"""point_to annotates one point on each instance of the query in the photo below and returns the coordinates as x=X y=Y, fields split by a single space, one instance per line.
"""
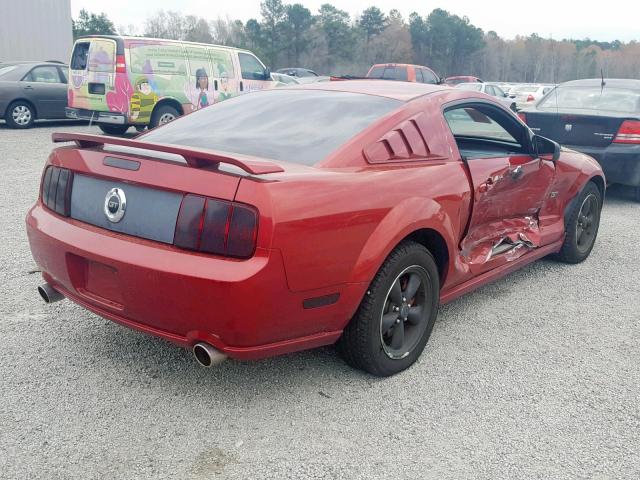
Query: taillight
x=56 y=189
x=216 y=226
x=629 y=132
x=121 y=66
x=522 y=117
x=530 y=98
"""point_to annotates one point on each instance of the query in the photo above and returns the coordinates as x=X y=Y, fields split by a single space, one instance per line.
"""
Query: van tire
x=163 y=114
x=114 y=129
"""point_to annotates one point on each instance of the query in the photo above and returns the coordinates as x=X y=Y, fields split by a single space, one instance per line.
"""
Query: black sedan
x=32 y=91
x=599 y=117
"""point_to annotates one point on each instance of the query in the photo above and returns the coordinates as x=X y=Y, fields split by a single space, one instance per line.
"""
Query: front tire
x=581 y=226
x=114 y=129
x=395 y=319
x=20 y=114
x=163 y=115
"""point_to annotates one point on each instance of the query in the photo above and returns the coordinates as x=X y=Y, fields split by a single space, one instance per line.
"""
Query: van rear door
x=92 y=73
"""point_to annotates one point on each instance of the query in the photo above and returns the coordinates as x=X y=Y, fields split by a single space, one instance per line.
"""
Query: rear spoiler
x=195 y=157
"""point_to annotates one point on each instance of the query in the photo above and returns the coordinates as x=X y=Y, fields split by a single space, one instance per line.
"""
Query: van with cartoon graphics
x=118 y=82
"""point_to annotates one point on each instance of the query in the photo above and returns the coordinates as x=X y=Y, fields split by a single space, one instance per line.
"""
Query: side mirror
x=267 y=73
x=506 y=95
x=545 y=148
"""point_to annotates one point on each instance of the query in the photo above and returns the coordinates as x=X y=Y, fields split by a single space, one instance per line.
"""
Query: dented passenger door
x=510 y=185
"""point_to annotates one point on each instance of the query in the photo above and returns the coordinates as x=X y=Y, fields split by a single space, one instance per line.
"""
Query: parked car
x=283 y=79
x=298 y=72
x=351 y=226
x=319 y=78
x=601 y=119
x=119 y=82
x=403 y=72
x=526 y=95
x=453 y=81
x=505 y=87
x=489 y=89
x=32 y=91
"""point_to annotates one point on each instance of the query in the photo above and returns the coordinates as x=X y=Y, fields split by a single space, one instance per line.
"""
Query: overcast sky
x=559 y=19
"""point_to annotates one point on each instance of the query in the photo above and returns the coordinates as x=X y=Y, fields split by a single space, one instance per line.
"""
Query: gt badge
x=115 y=204
x=568 y=127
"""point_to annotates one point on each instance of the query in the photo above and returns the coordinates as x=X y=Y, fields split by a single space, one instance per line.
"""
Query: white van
x=118 y=82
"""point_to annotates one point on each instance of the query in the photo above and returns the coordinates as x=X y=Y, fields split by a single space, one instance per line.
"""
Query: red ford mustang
x=288 y=219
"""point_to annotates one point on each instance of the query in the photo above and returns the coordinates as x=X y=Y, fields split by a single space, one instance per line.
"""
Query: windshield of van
x=593 y=98
x=299 y=126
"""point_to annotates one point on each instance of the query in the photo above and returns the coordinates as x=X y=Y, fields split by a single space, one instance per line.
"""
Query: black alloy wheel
x=403 y=320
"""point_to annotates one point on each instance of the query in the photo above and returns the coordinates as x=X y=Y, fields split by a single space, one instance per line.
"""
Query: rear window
x=593 y=98
x=4 y=69
x=291 y=125
x=79 y=56
x=376 y=72
x=389 y=73
x=102 y=56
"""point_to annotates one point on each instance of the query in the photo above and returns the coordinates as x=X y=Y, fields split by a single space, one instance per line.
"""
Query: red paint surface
x=323 y=230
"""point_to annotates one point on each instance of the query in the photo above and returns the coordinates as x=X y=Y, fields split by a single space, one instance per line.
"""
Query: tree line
x=330 y=41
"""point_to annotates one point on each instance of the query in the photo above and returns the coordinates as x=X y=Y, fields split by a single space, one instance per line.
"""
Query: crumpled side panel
x=510 y=238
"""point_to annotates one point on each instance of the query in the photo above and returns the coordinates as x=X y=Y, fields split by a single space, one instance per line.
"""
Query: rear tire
x=375 y=340
x=581 y=225
x=163 y=115
x=20 y=114
x=114 y=129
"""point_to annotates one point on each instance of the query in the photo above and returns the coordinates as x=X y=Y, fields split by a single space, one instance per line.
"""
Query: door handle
x=517 y=172
x=28 y=87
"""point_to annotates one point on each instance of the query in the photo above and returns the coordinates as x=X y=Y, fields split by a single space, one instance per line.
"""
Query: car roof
x=27 y=63
x=609 y=82
x=403 y=91
x=159 y=40
x=399 y=65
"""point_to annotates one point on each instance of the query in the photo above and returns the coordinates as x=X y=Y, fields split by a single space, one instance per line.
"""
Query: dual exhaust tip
x=205 y=354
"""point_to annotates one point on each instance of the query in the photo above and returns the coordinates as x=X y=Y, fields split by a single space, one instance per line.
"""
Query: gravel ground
x=534 y=376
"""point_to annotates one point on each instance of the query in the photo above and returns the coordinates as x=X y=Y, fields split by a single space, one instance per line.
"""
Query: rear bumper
x=96 y=116
x=620 y=162
x=243 y=308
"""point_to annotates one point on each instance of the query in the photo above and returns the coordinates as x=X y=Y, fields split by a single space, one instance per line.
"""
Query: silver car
x=32 y=91
x=489 y=89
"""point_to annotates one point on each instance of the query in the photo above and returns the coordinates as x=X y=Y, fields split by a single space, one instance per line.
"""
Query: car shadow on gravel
x=47 y=124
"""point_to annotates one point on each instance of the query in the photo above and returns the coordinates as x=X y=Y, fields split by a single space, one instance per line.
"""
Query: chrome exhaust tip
x=49 y=294
x=207 y=356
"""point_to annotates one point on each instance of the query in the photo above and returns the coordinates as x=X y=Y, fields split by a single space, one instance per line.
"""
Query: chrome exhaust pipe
x=49 y=294
x=207 y=356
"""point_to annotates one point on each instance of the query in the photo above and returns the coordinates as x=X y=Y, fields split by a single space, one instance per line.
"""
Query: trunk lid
x=593 y=129
x=137 y=188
